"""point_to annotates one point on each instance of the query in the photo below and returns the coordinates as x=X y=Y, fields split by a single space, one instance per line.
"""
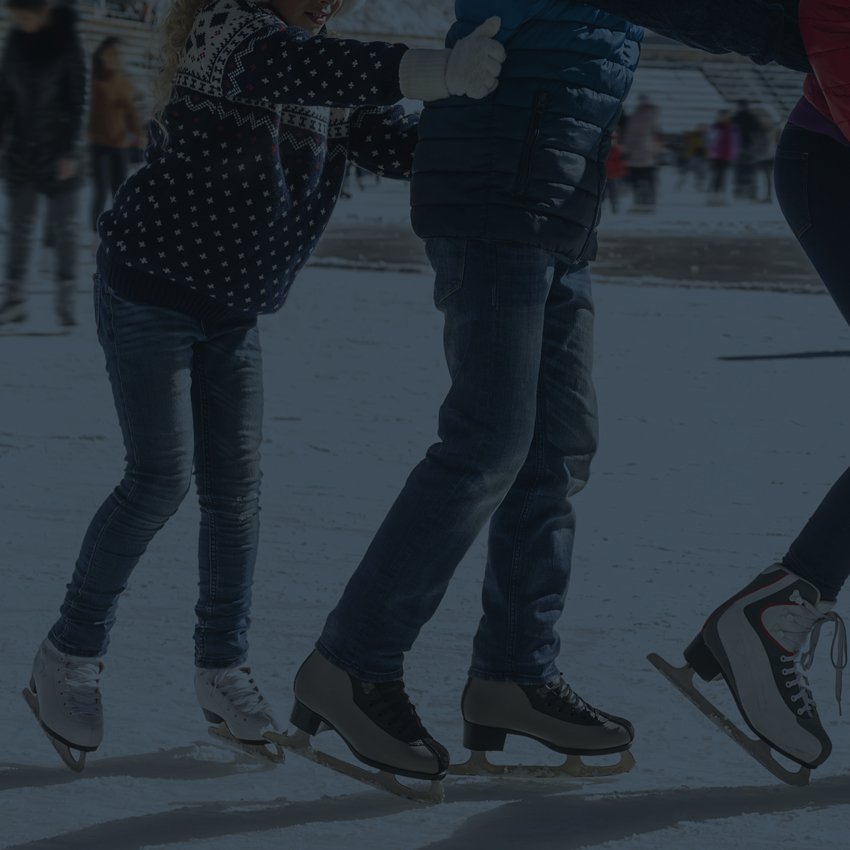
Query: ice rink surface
x=707 y=468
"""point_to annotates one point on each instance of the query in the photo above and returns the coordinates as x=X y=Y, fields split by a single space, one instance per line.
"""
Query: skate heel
x=211 y=716
x=484 y=738
x=701 y=659
x=305 y=718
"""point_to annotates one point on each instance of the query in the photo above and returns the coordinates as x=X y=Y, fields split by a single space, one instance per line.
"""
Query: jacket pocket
x=448 y=259
x=542 y=99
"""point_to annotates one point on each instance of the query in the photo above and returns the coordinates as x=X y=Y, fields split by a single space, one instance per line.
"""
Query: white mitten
x=471 y=68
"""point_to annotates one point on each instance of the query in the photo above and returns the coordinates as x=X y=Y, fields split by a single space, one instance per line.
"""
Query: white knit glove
x=471 y=68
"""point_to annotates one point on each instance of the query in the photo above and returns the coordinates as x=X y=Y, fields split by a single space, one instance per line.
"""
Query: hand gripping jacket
x=262 y=122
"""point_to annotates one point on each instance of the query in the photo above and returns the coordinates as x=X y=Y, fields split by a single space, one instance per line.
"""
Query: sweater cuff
x=422 y=74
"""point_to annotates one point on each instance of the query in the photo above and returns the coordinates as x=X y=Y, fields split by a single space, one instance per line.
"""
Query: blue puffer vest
x=527 y=164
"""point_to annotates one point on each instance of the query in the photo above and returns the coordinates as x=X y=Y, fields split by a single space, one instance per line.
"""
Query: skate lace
x=82 y=688
x=806 y=621
x=238 y=685
x=560 y=696
x=391 y=708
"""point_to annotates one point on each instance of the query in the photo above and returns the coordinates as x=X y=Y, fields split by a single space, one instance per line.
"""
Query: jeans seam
x=536 y=447
x=206 y=474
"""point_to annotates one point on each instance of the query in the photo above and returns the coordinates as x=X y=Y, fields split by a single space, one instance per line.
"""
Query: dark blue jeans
x=186 y=394
x=518 y=430
x=812 y=174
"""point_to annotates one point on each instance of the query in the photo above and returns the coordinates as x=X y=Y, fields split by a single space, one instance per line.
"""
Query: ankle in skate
x=376 y=720
x=64 y=694
x=552 y=714
x=764 y=639
x=231 y=700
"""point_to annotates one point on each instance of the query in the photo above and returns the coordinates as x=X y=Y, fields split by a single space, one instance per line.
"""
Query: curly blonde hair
x=172 y=34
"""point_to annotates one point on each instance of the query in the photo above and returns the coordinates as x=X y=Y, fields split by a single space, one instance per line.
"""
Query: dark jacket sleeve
x=72 y=99
x=762 y=30
x=288 y=66
x=383 y=140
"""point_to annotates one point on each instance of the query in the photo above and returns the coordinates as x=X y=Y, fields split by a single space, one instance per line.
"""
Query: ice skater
x=762 y=639
x=260 y=113
x=114 y=124
x=507 y=194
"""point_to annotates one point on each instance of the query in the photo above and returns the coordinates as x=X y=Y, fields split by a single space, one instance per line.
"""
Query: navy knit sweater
x=262 y=122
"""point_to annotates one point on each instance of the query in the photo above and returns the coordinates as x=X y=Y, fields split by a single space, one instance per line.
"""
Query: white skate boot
x=762 y=641
x=64 y=694
x=230 y=699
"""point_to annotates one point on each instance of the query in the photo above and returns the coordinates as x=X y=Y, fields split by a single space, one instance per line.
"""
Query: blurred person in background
x=693 y=158
x=616 y=171
x=114 y=126
x=750 y=140
x=764 y=152
x=722 y=146
x=42 y=95
x=641 y=148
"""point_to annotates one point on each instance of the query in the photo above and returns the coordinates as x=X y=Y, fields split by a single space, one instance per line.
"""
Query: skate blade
x=299 y=743
x=65 y=752
x=265 y=752
x=575 y=767
x=682 y=678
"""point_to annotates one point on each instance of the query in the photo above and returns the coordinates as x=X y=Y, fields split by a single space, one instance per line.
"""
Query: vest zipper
x=541 y=103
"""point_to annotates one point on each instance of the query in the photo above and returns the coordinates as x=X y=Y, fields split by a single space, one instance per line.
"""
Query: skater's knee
x=158 y=494
x=240 y=509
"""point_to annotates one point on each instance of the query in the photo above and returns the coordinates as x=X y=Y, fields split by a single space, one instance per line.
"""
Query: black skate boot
x=757 y=641
x=552 y=714
x=377 y=722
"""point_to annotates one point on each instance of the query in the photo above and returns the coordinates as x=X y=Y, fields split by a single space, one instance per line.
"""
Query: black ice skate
x=757 y=642
x=552 y=714
x=376 y=721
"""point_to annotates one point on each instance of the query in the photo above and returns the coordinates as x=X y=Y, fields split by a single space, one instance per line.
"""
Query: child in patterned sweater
x=259 y=114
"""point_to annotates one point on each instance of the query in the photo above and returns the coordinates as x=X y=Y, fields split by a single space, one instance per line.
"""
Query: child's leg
x=531 y=533
x=494 y=299
x=149 y=361
x=227 y=399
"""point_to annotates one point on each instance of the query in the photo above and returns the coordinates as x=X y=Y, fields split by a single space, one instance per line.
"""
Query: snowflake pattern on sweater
x=262 y=123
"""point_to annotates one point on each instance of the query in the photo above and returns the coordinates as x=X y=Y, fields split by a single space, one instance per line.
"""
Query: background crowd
x=728 y=160
x=70 y=115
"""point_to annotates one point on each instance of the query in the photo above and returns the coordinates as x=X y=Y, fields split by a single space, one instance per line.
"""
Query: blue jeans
x=517 y=431
x=186 y=394
x=812 y=174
